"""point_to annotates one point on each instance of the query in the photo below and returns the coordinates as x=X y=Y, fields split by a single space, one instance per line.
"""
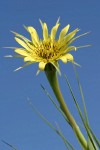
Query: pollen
x=48 y=50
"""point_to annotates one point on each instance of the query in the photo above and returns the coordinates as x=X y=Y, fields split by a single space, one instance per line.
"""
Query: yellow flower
x=49 y=49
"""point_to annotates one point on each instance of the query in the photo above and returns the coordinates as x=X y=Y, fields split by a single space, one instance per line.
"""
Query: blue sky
x=19 y=125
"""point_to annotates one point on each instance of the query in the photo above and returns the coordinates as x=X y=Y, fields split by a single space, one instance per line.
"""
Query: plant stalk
x=51 y=75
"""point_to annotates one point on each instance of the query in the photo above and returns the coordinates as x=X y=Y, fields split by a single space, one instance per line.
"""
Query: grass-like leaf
x=94 y=137
x=58 y=108
x=84 y=106
x=67 y=144
x=85 y=122
x=82 y=95
x=90 y=145
x=11 y=146
x=65 y=141
x=75 y=101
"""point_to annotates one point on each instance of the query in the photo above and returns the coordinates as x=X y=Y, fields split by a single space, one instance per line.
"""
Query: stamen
x=48 y=50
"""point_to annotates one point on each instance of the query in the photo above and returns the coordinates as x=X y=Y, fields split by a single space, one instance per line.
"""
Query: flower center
x=48 y=50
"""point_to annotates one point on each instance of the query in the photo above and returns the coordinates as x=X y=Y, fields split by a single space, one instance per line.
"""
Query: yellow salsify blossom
x=49 y=49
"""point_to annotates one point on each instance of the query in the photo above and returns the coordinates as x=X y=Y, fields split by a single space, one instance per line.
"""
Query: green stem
x=53 y=80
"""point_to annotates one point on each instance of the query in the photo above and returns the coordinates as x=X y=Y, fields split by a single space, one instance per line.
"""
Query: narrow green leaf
x=20 y=36
x=90 y=139
x=73 y=39
x=11 y=146
x=26 y=64
x=58 y=108
x=67 y=144
x=94 y=137
x=90 y=145
x=85 y=122
x=75 y=101
x=41 y=116
x=82 y=95
x=89 y=131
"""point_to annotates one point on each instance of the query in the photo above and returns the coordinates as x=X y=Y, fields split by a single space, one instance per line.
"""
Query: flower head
x=46 y=50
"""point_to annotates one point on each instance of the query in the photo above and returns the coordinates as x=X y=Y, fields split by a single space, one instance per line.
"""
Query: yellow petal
x=71 y=35
x=42 y=66
x=63 y=32
x=29 y=58
x=64 y=59
x=23 y=44
x=34 y=35
x=53 y=31
x=24 y=39
x=21 y=52
x=69 y=57
x=70 y=48
x=45 y=31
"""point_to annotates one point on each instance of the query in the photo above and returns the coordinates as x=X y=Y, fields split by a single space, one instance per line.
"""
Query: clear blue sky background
x=19 y=125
